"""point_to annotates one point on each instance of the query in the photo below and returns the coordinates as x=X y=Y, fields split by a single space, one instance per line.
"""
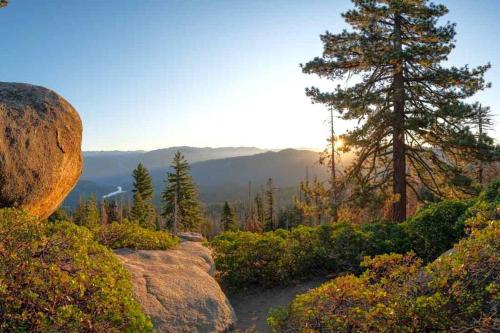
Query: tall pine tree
x=143 y=210
x=228 y=218
x=408 y=106
x=181 y=205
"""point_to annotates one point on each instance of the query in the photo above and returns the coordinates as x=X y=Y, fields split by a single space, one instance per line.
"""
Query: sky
x=158 y=73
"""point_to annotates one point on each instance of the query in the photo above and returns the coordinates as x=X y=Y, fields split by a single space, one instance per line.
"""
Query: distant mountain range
x=220 y=173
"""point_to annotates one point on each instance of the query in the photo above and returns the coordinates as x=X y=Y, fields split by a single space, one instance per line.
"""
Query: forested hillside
x=218 y=179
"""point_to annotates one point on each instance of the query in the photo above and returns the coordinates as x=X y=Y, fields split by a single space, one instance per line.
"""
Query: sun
x=339 y=143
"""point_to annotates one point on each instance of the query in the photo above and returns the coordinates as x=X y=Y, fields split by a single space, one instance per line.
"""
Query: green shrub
x=484 y=210
x=345 y=248
x=386 y=237
x=55 y=278
x=245 y=259
x=459 y=291
x=434 y=229
x=131 y=235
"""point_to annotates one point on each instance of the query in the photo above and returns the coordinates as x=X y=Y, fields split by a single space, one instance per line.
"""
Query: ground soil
x=252 y=307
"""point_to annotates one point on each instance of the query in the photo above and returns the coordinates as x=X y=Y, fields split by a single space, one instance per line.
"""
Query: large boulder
x=40 y=148
x=177 y=290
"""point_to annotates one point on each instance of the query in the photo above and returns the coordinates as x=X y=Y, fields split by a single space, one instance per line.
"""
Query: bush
x=131 y=235
x=247 y=259
x=486 y=209
x=458 y=291
x=435 y=228
x=55 y=278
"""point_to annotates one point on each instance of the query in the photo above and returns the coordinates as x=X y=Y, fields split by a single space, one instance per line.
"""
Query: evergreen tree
x=315 y=207
x=86 y=212
x=408 y=105
x=112 y=211
x=61 y=214
x=143 y=210
x=138 y=212
x=269 y=219
x=228 y=219
x=484 y=150
x=103 y=212
x=289 y=217
x=143 y=183
x=259 y=208
x=180 y=198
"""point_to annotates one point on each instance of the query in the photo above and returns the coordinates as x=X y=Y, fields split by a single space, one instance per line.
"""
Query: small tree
x=113 y=211
x=143 y=210
x=86 y=212
x=143 y=183
x=259 y=208
x=270 y=215
x=61 y=214
x=182 y=209
x=228 y=218
x=477 y=147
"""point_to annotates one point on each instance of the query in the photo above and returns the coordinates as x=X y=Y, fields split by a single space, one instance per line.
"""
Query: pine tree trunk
x=333 y=171
x=398 y=144
x=480 y=170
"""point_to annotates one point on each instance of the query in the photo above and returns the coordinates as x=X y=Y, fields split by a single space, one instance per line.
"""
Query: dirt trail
x=253 y=307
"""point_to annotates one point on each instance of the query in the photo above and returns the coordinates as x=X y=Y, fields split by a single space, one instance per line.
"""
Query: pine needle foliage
x=181 y=191
x=143 y=210
x=228 y=218
x=409 y=107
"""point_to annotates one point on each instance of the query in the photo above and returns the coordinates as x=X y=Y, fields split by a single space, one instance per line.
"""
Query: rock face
x=177 y=290
x=40 y=148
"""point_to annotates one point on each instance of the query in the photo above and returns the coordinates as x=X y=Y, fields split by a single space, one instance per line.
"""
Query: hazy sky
x=152 y=74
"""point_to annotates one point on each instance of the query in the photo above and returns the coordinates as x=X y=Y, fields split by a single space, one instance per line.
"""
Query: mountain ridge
x=218 y=179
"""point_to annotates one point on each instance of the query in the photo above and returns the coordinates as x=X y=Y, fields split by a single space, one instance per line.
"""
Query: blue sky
x=152 y=74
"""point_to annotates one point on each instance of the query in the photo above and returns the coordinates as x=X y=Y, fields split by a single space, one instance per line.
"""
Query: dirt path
x=253 y=307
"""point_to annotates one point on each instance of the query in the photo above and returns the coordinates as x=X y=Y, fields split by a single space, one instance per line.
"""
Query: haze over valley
x=221 y=174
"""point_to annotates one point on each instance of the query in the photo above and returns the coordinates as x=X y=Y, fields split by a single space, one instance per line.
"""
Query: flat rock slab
x=177 y=290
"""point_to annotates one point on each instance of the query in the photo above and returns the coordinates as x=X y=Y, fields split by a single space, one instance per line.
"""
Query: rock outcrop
x=40 y=148
x=177 y=290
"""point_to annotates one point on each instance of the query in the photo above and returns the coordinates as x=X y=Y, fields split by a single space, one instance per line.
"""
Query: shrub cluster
x=459 y=291
x=244 y=259
x=435 y=228
x=132 y=235
x=54 y=277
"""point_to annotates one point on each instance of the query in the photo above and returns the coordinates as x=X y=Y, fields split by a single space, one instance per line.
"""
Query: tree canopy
x=409 y=107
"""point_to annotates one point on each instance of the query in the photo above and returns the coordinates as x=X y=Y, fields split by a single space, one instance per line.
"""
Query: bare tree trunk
x=250 y=217
x=333 y=193
x=480 y=170
x=398 y=143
